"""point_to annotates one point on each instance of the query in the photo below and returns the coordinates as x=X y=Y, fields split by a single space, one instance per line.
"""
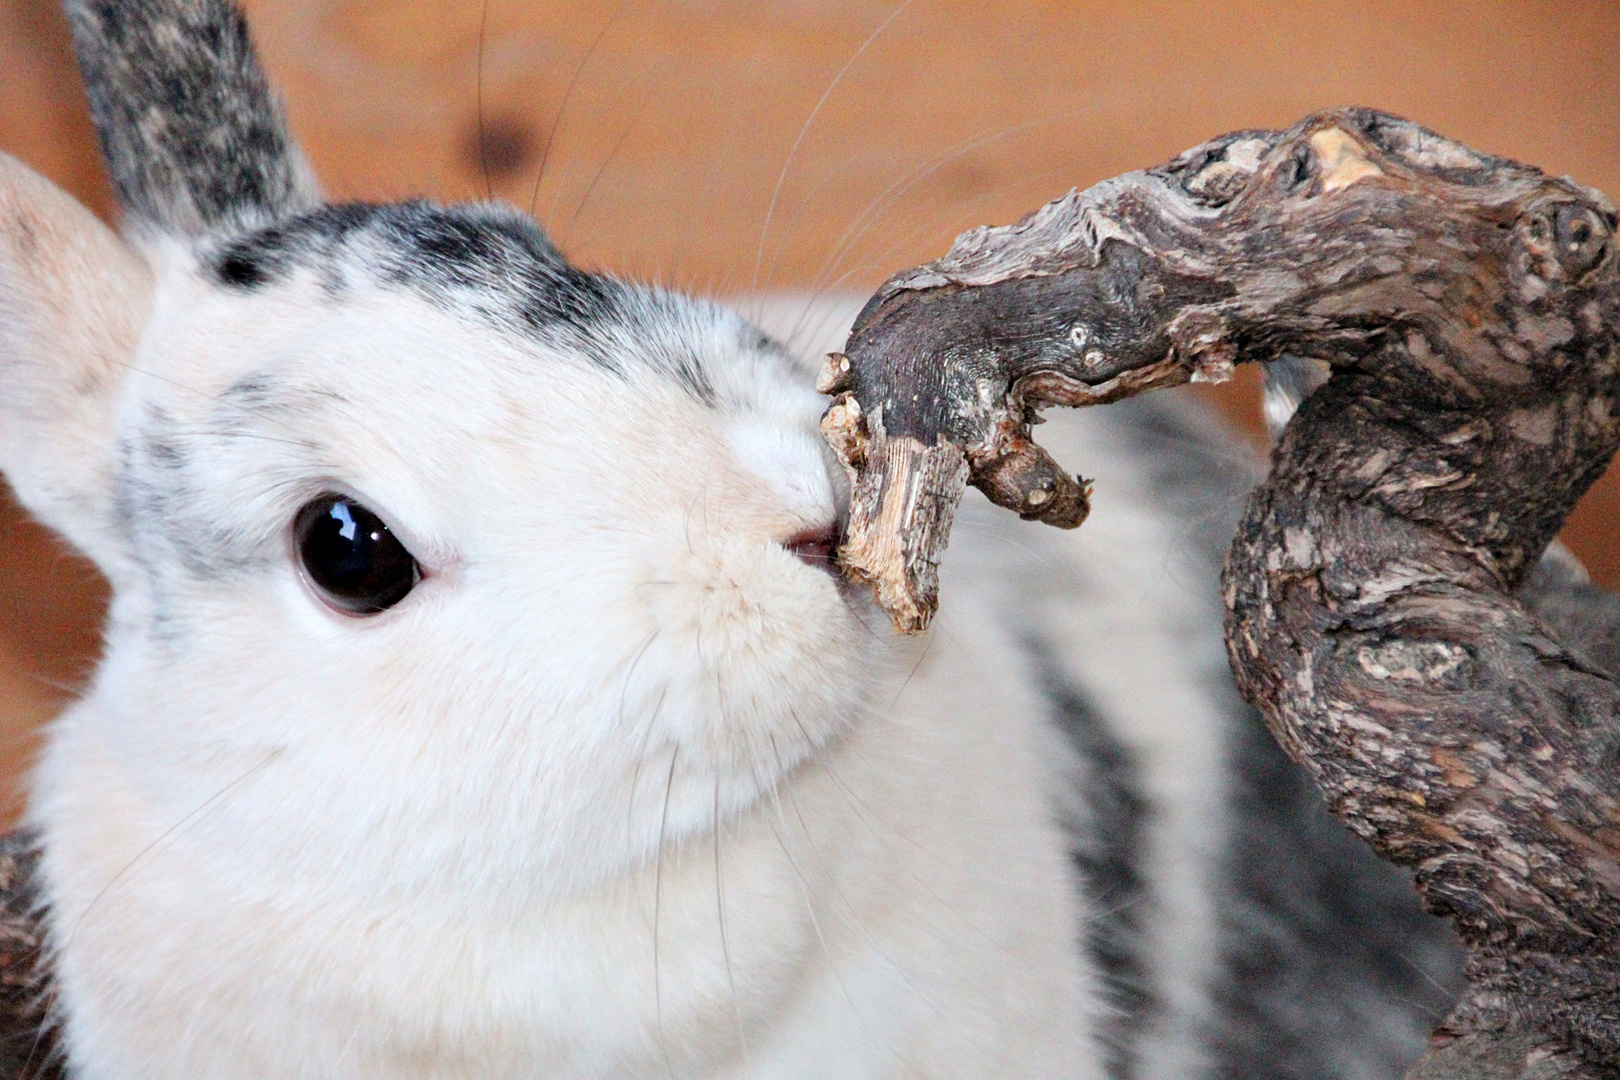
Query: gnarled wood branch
x=1467 y=307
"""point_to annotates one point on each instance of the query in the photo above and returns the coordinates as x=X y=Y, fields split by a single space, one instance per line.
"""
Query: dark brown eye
x=353 y=561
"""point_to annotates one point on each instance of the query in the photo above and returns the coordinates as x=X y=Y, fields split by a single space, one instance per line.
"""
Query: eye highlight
x=351 y=558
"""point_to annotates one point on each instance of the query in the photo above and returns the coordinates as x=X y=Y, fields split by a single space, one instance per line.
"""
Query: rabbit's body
x=627 y=784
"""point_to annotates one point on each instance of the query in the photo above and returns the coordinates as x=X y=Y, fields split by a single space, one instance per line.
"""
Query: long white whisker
x=867 y=816
x=853 y=920
x=483 y=158
x=770 y=211
x=641 y=756
x=804 y=882
x=590 y=189
x=920 y=222
x=897 y=190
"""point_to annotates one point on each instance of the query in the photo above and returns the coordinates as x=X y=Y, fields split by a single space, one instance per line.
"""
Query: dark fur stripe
x=1106 y=848
x=191 y=133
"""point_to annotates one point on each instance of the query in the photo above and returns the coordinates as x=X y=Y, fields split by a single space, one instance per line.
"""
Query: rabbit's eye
x=353 y=561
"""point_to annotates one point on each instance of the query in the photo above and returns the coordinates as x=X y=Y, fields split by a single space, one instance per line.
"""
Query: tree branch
x=1467 y=308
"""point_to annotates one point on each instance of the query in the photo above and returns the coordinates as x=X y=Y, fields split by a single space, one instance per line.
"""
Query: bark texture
x=1467 y=308
x=27 y=1038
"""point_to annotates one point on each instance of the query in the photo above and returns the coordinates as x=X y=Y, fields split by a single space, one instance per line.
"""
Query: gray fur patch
x=191 y=133
x=1288 y=382
x=1331 y=968
x=483 y=260
x=158 y=503
x=197 y=147
x=1585 y=616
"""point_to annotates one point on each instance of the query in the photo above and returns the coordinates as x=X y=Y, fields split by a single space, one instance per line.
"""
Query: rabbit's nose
x=816 y=547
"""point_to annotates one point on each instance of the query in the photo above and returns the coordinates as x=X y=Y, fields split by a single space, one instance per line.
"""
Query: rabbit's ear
x=192 y=134
x=74 y=298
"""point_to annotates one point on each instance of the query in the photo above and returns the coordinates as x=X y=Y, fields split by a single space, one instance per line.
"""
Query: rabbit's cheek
x=767 y=649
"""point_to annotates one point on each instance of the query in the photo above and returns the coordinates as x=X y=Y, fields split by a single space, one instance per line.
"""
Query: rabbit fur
x=623 y=787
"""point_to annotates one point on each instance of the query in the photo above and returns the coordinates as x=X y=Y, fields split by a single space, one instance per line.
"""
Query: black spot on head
x=308 y=240
x=241 y=269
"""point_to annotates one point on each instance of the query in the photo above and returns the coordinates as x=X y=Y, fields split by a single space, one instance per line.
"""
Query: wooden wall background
x=724 y=145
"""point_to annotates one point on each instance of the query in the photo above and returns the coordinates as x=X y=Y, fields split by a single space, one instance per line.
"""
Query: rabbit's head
x=414 y=529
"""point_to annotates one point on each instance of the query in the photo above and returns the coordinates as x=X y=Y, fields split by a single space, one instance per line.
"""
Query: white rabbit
x=479 y=700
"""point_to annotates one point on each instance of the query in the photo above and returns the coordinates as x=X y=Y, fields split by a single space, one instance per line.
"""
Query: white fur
x=621 y=789
x=1134 y=621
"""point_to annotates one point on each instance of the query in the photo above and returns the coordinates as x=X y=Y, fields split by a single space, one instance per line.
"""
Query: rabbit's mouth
x=817 y=548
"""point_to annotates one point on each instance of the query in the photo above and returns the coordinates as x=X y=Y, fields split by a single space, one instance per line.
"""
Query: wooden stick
x=1467 y=307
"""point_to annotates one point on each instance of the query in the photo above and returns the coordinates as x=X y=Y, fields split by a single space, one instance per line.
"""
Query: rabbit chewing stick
x=477 y=702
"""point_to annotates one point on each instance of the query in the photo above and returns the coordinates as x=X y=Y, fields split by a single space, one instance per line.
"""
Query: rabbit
x=480 y=697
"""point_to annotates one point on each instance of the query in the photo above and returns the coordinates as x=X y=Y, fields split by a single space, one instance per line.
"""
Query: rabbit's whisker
x=562 y=111
x=871 y=819
x=478 y=90
x=1427 y=977
x=863 y=933
x=850 y=917
x=720 y=914
x=641 y=757
x=927 y=648
x=902 y=237
x=765 y=228
x=658 y=897
x=630 y=671
x=808 y=892
x=172 y=832
x=618 y=144
x=909 y=180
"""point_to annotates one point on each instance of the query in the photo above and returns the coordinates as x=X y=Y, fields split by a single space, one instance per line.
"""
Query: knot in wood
x=1566 y=240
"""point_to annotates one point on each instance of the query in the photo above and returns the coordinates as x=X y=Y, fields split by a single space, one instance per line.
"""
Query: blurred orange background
x=728 y=145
